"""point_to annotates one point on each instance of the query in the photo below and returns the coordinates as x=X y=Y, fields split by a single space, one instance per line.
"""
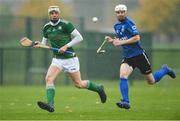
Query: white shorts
x=70 y=65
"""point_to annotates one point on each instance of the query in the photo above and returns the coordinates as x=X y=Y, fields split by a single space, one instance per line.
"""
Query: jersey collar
x=54 y=24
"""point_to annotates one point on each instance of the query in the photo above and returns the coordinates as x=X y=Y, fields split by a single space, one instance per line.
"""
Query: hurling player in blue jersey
x=134 y=55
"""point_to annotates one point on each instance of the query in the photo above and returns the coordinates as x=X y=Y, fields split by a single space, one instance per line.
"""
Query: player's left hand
x=117 y=42
x=63 y=49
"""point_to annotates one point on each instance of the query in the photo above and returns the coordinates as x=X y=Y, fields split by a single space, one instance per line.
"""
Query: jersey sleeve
x=132 y=28
x=69 y=27
x=116 y=31
x=114 y=28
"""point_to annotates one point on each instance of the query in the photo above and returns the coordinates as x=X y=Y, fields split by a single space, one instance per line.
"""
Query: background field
x=159 y=102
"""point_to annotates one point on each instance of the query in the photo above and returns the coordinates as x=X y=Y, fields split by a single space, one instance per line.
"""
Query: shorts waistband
x=60 y=57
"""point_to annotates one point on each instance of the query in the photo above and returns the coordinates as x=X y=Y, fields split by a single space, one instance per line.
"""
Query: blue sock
x=124 y=89
x=158 y=75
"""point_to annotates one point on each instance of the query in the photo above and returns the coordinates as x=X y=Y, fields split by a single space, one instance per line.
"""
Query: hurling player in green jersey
x=63 y=35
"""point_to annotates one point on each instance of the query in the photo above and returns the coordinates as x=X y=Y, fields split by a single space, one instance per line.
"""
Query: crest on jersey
x=134 y=27
x=59 y=27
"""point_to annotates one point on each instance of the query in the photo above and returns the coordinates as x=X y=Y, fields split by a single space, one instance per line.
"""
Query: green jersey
x=58 y=36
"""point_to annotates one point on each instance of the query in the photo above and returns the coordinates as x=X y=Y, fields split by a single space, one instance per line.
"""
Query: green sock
x=50 y=92
x=94 y=87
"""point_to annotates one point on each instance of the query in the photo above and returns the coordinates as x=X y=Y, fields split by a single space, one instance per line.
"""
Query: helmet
x=53 y=8
x=120 y=7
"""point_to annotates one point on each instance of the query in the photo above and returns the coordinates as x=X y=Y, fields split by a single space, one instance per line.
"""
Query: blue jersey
x=125 y=30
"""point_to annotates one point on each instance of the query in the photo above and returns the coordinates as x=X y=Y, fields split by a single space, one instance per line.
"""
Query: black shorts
x=141 y=62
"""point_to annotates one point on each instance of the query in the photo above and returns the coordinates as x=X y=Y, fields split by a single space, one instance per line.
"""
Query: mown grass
x=158 y=102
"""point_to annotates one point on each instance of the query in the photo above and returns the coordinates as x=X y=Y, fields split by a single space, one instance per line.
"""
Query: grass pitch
x=160 y=102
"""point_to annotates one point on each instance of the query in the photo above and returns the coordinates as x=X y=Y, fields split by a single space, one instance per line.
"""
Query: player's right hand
x=36 y=44
x=109 y=39
x=63 y=49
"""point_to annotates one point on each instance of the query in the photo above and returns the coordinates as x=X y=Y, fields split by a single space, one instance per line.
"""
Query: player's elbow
x=78 y=38
x=137 y=38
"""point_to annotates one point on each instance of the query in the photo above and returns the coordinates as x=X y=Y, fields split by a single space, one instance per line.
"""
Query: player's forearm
x=131 y=40
x=76 y=38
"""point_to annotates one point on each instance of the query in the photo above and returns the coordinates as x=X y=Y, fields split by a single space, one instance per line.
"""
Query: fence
x=28 y=66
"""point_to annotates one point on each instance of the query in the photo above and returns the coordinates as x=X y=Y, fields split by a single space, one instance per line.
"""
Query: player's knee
x=79 y=85
x=150 y=83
